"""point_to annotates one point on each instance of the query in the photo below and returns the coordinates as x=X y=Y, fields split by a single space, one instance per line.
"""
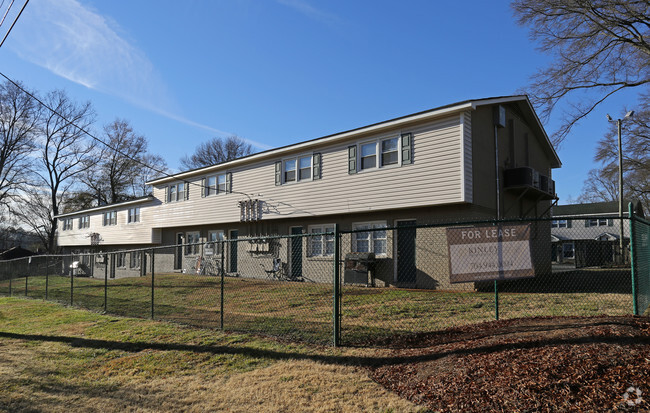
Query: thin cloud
x=84 y=47
x=311 y=11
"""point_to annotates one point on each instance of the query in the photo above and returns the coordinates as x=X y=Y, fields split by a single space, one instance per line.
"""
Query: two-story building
x=476 y=159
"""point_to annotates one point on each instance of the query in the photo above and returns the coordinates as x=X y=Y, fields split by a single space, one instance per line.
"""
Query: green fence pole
x=223 y=271
x=337 y=292
x=71 y=281
x=27 y=275
x=47 y=274
x=496 y=299
x=105 y=283
x=635 y=307
x=152 y=283
x=10 y=277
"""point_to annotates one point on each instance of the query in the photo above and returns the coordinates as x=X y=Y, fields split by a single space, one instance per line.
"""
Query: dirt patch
x=536 y=364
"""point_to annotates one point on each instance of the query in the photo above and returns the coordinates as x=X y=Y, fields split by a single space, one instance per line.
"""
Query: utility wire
x=163 y=173
x=12 y=24
x=7 y=12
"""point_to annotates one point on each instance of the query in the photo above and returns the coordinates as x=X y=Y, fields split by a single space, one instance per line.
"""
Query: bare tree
x=18 y=126
x=117 y=171
x=63 y=149
x=217 y=150
x=600 y=47
x=602 y=183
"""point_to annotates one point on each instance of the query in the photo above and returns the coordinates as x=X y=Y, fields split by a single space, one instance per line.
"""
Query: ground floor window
x=215 y=241
x=192 y=240
x=375 y=240
x=120 y=259
x=135 y=259
x=321 y=245
x=568 y=250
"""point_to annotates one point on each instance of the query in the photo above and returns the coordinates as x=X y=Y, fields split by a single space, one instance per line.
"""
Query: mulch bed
x=535 y=364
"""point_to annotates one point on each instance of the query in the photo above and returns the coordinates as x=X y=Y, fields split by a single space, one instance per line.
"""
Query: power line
x=7 y=12
x=12 y=24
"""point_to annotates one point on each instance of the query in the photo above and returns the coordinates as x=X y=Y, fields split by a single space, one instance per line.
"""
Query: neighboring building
x=588 y=235
x=432 y=166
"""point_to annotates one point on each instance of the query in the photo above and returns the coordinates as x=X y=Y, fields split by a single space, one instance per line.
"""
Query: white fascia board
x=422 y=116
x=103 y=207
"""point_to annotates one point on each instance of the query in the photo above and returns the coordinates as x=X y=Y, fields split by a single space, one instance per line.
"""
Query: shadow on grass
x=359 y=361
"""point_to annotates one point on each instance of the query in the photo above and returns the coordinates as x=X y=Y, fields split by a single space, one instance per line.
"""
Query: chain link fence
x=406 y=279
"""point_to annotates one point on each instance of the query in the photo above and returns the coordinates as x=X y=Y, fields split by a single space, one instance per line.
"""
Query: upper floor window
x=559 y=223
x=177 y=192
x=110 y=218
x=300 y=168
x=380 y=153
x=84 y=222
x=134 y=214
x=215 y=184
x=597 y=222
x=375 y=239
x=67 y=224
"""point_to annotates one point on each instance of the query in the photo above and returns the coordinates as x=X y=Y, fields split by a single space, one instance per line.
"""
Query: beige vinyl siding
x=466 y=120
x=434 y=178
x=122 y=233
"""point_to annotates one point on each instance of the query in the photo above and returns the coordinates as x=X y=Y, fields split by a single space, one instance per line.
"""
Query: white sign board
x=485 y=253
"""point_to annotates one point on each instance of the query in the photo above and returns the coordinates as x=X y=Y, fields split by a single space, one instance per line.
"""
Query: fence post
x=152 y=282
x=47 y=274
x=29 y=266
x=11 y=272
x=223 y=271
x=337 y=281
x=496 y=299
x=71 y=280
x=635 y=307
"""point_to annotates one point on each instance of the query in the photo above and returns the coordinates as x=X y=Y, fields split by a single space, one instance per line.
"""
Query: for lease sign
x=495 y=252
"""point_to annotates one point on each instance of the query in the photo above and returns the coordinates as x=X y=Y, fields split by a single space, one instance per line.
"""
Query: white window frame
x=573 y=250
x=109 y=218
x=66 y=224
x=192 y=237
x=178 y=192
x=559 y=223
x=84 y=222
x=217 y=187
x=321 y=240
x=133 y=215
x=371 y=238
x=297 y=169
x=599 y=222
x=379 y=161
x=120 y=260
x=214 y=236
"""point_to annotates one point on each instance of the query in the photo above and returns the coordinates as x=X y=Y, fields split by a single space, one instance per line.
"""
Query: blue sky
x=277 y=72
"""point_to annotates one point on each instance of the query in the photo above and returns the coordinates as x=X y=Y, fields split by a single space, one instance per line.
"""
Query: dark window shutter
x=203 y=188
x=407 y=143
x=278 y=173
x=586 y=223
x=228 y=182
x=166 y=194
x=352 y=159
x=610 y=222
x=568 y=223
x=187 y=190
x=317 y=165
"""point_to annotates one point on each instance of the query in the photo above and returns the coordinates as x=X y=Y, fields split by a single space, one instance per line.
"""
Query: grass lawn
x=58 y=359
x=303 y=311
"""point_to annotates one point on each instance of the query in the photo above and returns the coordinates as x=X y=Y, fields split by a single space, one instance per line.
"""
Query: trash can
x=358 y=265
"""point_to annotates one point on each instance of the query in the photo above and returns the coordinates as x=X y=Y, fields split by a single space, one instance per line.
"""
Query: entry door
x=178 y=259
x=406 y=269
x=233 y=250
x=296 y=253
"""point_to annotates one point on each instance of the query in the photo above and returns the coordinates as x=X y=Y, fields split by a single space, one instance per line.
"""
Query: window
x=375 y=240
x=321 y=245
x=84 y=222
x=120 y=259
x=596 y=222
x=389 y=154
x=298 y=169
x=135 y=258
x=215 y=184
x=67 y=224
x=368 y=155
x=192 y=240
x=176 y=192
x=214 y=241
x=381 y=153
x=134 y=214
x=559 y=223
x=110 y=218
x=567 y=250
